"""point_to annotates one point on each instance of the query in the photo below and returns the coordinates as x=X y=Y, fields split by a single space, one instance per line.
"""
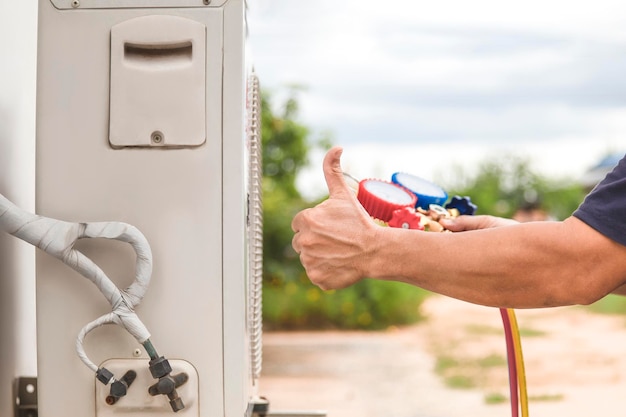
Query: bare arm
x=465 y=223
x=526 y=265
x=518 y=265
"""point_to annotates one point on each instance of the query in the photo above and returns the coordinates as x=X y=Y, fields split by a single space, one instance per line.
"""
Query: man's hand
x=337 y=240
x=334 y=238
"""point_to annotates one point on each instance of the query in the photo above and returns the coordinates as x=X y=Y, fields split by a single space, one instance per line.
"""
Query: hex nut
x=160 y=367
x=166 y=386
x=104 y=375
x=118 y=389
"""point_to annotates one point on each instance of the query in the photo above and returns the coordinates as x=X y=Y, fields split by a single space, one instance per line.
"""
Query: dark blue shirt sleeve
x=604 y=208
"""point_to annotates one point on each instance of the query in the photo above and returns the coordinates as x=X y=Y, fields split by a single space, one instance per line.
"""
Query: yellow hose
x=519 y=362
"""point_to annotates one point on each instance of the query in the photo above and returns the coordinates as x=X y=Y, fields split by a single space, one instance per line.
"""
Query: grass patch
x=454 y=373
x=492 y=361
x=495 y=398
x=611 y=304
x=546 y=397
x=481 y=329
x=460 y=381
x=466 y=373
x=444 y=363
x=526 y=332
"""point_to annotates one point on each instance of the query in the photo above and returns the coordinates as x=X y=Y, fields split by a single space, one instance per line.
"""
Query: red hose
x=510 y=356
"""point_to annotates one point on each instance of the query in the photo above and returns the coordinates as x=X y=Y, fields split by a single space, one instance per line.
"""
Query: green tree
x=286 y=144
x=504 y=184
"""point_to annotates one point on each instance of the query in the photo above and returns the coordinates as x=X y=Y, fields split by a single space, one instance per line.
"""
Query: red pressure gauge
x=381 y=198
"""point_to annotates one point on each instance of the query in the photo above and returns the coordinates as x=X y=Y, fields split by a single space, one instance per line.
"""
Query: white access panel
x=158 y=82
x=187 y=196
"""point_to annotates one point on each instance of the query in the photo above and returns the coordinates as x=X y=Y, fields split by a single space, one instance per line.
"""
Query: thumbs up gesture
x=333 y=239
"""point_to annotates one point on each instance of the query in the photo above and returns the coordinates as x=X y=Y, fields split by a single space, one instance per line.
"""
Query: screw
x=156 y=137
x=75 y=3
x=137 y=352
x=207 y=2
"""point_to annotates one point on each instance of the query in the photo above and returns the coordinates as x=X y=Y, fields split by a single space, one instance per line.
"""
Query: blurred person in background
x=530 y=211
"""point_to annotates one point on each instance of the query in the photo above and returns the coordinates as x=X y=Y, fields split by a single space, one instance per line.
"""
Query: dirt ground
x=575 y=364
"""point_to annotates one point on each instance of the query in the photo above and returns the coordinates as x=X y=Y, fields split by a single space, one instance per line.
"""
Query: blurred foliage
x=285 y=145
x=369 y=304
x=504 y=184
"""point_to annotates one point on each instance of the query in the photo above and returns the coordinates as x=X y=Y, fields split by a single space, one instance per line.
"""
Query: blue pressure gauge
x=427 y=192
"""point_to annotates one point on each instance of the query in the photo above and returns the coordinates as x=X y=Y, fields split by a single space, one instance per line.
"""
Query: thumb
x=337 y=187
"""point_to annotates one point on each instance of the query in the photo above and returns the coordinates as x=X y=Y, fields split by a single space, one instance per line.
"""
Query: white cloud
x=412 y=75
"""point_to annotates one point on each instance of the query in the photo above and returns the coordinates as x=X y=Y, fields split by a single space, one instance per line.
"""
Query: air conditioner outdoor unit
x=147 y=115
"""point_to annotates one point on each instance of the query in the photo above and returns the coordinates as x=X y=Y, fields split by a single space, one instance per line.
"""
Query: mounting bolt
x=75 y=3
x=207 y=2
x=156 y=137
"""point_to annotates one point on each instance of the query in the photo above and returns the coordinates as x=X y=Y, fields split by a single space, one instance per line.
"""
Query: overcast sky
x=421 y=85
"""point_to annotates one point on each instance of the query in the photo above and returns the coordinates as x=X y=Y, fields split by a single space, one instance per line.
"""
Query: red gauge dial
x=380 y=198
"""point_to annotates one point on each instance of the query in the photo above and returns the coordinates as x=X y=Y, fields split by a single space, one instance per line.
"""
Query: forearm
x=621 y=290
x=520 y=266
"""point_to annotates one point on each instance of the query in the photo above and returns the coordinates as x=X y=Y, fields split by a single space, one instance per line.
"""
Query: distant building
x=597 y=173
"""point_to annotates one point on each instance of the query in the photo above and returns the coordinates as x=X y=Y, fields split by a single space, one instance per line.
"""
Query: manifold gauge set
x=410 y=202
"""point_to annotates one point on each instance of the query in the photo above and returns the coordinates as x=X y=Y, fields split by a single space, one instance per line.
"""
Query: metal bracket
x=25 y=390
x=260 y=407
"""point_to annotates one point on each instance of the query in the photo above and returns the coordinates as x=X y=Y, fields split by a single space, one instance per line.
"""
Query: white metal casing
x=189 y=201
x=18 y=44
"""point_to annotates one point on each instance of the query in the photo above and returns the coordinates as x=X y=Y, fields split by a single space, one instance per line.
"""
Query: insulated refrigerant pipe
x=57 y=238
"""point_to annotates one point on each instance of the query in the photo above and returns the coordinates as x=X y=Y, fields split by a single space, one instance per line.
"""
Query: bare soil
x=575 y=363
